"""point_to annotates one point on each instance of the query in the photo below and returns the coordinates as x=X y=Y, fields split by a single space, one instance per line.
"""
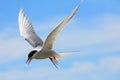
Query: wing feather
x=52 y=36
x=27 y=31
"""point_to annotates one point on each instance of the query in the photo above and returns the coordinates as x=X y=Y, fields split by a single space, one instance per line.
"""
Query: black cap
x=32 y=53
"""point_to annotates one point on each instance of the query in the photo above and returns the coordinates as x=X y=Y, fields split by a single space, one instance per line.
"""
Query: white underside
x=43 y=55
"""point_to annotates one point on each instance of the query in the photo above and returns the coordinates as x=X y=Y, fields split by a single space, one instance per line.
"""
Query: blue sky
x=94 y=30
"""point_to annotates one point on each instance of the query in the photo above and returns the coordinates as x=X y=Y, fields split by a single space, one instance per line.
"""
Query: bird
x=42 y=50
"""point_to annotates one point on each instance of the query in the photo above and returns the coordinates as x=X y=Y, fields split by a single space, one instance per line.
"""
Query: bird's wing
x=27 y=31
x=52 y=36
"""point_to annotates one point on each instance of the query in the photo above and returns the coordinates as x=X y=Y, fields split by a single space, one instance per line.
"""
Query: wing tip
x=81 y=2
x=21 y=10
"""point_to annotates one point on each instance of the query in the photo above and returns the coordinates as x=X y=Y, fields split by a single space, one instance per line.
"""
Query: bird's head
x=30 y=56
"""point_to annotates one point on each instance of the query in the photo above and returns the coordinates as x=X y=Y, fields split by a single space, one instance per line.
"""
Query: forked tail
x=59 y=56
x=62 y=54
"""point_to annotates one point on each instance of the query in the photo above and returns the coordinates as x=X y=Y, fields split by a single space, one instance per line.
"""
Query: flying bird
x=42 y=50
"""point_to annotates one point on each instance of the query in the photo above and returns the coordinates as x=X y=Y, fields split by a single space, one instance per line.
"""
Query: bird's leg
x=50 y=58
x=54 y=61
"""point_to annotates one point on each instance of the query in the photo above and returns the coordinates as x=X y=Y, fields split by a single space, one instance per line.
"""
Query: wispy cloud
x=77 y=71
x=111 y=64
x=12 y=46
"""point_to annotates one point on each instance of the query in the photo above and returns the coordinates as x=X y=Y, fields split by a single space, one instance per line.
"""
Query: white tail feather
x=62 y=54
x=59 y=56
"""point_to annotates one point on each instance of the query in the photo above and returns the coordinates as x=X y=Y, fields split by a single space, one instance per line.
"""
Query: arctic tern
x=42 y=50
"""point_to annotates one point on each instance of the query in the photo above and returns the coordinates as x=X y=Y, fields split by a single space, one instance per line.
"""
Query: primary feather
x=27 y=31
x=48 y=45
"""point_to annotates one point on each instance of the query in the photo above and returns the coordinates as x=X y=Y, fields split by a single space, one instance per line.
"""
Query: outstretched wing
x=52 y=36
x=27 y=31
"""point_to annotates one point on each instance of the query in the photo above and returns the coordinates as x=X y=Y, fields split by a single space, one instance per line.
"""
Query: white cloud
x=83 y=66
x=39 y=73
x=12 y=46
x=111 y=63
x=79 y=70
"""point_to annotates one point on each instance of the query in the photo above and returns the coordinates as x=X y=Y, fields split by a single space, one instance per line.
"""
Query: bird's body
x=43 y=55
x=42 y=50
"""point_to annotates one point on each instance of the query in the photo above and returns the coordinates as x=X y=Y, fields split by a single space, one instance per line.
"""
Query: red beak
x=28 y=60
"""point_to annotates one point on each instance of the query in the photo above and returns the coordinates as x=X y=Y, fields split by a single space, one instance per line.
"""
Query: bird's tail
x=59 y=56
x=63 y=54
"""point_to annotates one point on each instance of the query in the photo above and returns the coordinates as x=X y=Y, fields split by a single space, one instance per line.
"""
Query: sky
x=94 y=31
